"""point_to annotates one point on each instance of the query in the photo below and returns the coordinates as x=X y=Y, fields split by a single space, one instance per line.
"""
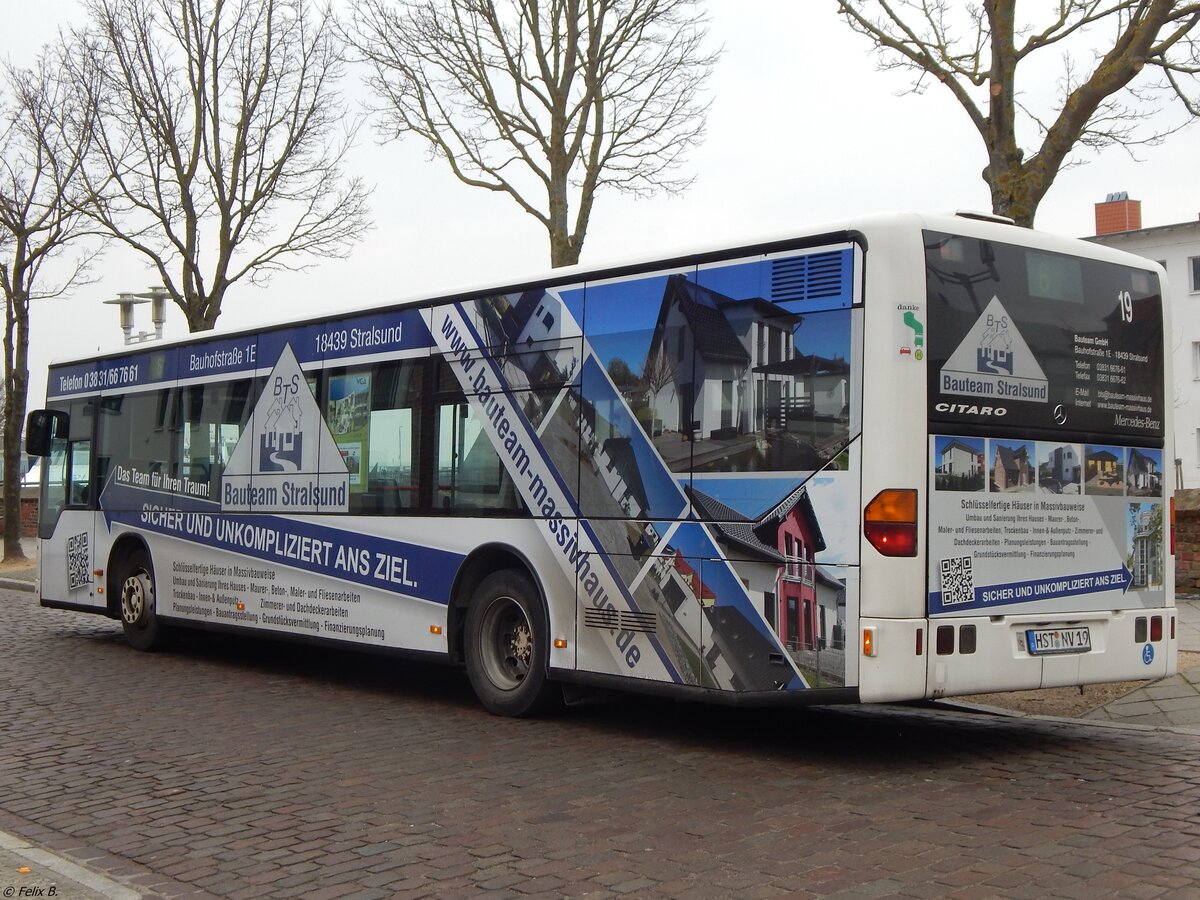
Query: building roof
x=830 y=578
x=770 y=521
x=1009 y=458
x=731 y=526
x=691 y=577
x=959 y=445
x=714 y=337
x=1140 y=462
x=765 y=309
x=707 y=313
x=758 y=536
x=1143 y=232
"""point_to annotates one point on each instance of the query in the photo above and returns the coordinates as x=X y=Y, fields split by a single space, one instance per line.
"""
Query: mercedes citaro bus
x=891 y=458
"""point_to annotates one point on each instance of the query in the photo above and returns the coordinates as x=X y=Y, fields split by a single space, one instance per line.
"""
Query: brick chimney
x=1118 y=213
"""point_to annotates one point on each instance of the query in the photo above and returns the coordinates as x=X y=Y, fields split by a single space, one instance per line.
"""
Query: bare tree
x=547 y=101
x=660 y=372
x=222 y=137
x=45 y=119
x=975 y=50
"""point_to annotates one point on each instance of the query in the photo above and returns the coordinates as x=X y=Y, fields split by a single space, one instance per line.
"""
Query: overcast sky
x=803 y=129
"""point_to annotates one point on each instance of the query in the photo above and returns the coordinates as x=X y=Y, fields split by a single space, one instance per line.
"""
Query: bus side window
x=133 y=438
x=211 y=419
x=469 y=473
x=79 y=464
x=374 y=414
x=68 y=468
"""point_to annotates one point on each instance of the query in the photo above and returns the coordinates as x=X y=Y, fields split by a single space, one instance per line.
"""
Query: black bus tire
x=507 y=646
x=136 y=603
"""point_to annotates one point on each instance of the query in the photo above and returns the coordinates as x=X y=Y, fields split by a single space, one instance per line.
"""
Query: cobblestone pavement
x=240 y=768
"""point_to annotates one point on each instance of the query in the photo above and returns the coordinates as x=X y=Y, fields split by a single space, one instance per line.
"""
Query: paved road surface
x=252 y=769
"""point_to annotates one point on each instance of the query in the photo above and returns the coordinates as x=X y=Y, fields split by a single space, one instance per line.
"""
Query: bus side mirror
x=42 y=426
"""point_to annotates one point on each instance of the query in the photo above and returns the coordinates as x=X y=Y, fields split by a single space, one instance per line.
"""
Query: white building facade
x=1177 y=249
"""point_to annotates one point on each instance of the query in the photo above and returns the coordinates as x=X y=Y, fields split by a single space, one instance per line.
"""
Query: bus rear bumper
x=1021 y=652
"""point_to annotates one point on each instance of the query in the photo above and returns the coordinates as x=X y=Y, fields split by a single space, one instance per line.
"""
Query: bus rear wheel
x=137 y=599
x=507 y=646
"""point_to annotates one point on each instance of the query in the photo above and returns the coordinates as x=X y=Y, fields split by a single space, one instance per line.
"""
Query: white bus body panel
x=892 y=595
x=66 y=563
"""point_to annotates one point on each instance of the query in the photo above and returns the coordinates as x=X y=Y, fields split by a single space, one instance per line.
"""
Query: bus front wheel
x=137 y=603
x=507 y=647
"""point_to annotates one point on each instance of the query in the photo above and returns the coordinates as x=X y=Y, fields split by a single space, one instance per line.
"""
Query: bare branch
x=977 y=52
x=547 y=101
x=222 y=141
x=45 y=127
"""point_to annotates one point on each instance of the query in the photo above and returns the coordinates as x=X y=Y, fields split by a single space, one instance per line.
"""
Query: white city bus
x=897 y=457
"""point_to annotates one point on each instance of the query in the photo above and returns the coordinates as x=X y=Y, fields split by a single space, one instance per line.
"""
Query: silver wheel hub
x=520 y=645
x=507 y=648
x=137 y=595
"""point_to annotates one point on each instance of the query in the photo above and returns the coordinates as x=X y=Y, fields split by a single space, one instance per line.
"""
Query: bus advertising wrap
x=358 y=337
x=881 y=462
x=251 y=445
x=1064 y=356
x=1021 y=525
x=1022 y=339
x=594 y=553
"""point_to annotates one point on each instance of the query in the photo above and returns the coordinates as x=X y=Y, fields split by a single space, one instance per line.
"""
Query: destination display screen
x=1022 y=338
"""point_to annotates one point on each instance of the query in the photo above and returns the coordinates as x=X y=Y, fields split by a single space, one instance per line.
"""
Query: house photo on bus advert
x=1046 y=421
x=628 y=413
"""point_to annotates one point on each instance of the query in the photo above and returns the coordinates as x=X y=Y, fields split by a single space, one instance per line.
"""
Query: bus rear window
x=1028 y=339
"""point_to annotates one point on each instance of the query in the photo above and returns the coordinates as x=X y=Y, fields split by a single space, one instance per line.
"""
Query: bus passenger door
x=67 y=520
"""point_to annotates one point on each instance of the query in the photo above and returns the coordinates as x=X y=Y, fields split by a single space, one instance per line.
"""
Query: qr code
x=77 y=561
x=958 y=581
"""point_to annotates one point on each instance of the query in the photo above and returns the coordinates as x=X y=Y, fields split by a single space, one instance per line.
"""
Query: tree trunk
x=1016 y=191
x=17 y=389
x=562 y=251
x=12 y=491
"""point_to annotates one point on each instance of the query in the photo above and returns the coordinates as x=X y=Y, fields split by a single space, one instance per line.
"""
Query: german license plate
x=1048 y=641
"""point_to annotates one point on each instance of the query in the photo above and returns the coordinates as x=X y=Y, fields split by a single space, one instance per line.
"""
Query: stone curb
x=983 y=709
x=72 y=880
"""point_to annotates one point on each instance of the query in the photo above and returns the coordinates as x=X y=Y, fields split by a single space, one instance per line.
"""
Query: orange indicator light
x=435 y=629
x=868 y=642
x=241 y=606
x=560 y=644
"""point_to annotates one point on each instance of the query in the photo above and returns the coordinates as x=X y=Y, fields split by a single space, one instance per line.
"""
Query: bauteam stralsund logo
x=281 y=445
x=994 y=361
x=995 y=348
x=286 y=459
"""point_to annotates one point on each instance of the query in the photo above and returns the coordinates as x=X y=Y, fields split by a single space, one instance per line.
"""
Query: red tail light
x=890 y=522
